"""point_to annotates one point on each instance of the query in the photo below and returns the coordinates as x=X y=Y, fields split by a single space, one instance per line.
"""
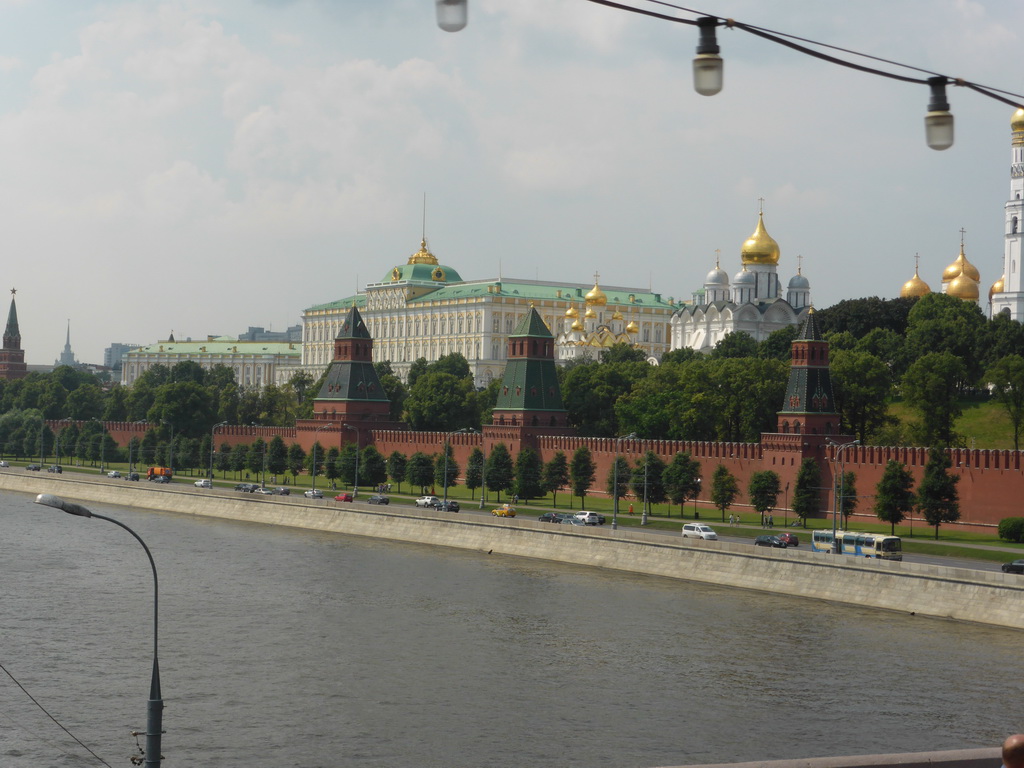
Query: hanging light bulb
x=938 y=122
x=452 y=14
x=708 y=66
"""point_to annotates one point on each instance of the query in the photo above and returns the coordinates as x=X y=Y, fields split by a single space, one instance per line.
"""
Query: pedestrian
x=1013 y=751
x=771 y=521
x=631 y=508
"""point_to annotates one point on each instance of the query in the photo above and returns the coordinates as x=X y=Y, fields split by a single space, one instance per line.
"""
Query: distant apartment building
x=255 y=333
x=114 y=354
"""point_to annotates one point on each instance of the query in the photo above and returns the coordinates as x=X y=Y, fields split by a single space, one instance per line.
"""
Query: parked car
x=343 y=497
x=505 y=510
x=699 y=531
x=4 y=464
x=55 y=468
x=791 y=539
x=427 y=501
x=590 y=518
x=573 y=521
x=1017 y=566
x=246 y=487
x=113 y=473
x=314 y=494
x=550 y=517
x=448 y=506
x=33 y=467
x=283 y=491
x=378 y=498
x=132 y=476
x=161 y=479
x=769 y=541
x=265 y=491
x=204 y=483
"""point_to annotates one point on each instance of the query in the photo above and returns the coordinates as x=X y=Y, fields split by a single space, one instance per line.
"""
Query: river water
x=283 y=648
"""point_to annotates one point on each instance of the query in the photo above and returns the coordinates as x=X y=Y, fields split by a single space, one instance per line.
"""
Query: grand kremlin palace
x=425 y=309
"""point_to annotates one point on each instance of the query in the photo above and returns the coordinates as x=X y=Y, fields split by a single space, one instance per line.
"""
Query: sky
x=202 y=166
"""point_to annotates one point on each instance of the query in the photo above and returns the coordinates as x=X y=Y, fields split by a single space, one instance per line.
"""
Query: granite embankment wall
x=938 y=591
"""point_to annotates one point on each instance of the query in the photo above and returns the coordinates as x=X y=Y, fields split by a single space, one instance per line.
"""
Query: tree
x=937 y=497
x=222 y=458
x=724 y=489
x=397 y=468
x=419 y=471
x=500 y=472
x=474 y=471
x=735 y=344
x=440 y=401
x=373 y=468
x=315 y=459
x=647 y=480
x=682 y=479
x=257 y=457
x=348 y=465
x=296 y=460
x=763 y=491
x=332 y=470
x=529 y=471
x=894 y=495
x=556 y=475
x=932 y=387
x=446 y=470
x=847 y=496
x=277 y=456
x=239 y=459
x=862 y=384
x=1006 y=378
x=806 y=492
x=939 y=323
x=581 y=472
x=617 y=483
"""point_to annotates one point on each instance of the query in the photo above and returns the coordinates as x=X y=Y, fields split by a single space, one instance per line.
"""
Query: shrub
x=1012 y=529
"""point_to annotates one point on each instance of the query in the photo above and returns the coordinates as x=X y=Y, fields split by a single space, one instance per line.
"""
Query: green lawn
x=983 y=425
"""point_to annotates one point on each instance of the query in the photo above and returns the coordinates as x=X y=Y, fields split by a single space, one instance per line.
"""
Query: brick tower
x=12 y=357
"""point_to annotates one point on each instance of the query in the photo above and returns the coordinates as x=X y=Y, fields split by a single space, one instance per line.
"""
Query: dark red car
x=790 y=539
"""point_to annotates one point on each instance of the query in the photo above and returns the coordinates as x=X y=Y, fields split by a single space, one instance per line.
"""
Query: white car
x=427 y=501
x=204 y=483
x=4 y=464
x=699 y=531
x=590 y=518
x=314 y=494
x=113 y=473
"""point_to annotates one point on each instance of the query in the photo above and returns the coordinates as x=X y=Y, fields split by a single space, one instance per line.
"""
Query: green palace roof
x=221 y=345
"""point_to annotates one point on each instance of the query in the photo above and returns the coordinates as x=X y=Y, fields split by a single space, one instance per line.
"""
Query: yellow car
x=505 y=510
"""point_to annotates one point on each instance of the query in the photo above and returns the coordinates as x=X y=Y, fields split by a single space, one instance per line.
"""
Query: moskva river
x=282 y=648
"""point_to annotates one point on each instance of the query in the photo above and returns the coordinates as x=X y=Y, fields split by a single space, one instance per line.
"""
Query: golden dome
x=997 y=287
x=1017 y=121
x=571 y=311
x=590 y=314
x=761 y=247
x=963 y=287
x=914 y=288
x=961 y=267
x=577 y=325
x=596 y=296
x=617 y=315
x=632 y=327
x=423 y=256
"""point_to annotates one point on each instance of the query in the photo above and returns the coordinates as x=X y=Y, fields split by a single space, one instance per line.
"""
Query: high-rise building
x=114 y=354
x=67 y=357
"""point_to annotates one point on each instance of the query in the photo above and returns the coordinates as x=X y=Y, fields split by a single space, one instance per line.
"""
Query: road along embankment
x=927 y=590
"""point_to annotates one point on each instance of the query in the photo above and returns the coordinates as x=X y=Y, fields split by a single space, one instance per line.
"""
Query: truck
x=155 y=472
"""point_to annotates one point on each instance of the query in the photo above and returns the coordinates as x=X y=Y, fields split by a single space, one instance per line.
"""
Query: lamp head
x=938 y=121
x=707 y=66
x=452 y=15
x=49 y=500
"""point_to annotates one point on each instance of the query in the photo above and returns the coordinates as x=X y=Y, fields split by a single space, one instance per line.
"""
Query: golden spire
x=595 y=295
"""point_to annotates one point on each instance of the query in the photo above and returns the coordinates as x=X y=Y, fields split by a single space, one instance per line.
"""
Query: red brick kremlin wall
x=991 y=485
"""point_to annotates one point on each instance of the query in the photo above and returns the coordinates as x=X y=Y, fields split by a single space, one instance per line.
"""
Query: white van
x=590 y=518
x=699 y=531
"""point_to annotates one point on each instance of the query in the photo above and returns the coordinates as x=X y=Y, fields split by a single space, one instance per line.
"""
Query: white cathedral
x=752 y=303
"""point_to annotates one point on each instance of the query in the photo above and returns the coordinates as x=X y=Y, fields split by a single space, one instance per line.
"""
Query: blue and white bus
x=879 y=545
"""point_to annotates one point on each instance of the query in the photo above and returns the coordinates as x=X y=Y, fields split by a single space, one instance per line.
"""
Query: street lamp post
x=213 y=442
x=355 y=480
x=837 y=492
x=700 y=482
x=786 y=505
x=130 y=446
x=615 y=479
x=483 y=474
x=155 y=706
x=643 y=514
x=325 y=426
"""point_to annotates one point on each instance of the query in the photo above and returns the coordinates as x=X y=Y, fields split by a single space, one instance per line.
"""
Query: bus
x=878 y=545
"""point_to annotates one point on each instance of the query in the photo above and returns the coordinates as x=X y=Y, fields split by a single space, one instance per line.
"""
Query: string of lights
x=709 y=67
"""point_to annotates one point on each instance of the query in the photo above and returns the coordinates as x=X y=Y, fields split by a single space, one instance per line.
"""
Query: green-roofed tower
x=530 y=399
x=809 y=407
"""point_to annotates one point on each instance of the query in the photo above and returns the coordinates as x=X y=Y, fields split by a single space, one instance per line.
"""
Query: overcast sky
x=206 y=166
